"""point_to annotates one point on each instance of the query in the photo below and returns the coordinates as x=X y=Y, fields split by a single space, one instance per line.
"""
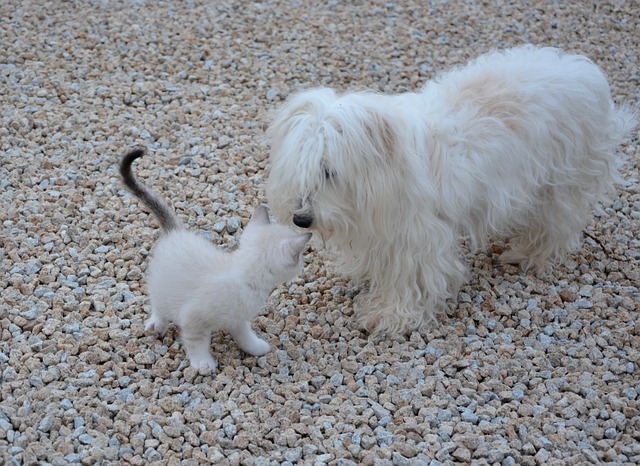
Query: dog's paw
x=381 y=322
x=525 y=262
x=370 y=314
x=382 y=319
x=380 y=326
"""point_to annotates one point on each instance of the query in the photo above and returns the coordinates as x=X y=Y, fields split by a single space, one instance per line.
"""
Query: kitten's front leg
x=246 y=339
x=156 y=324
x=196 y=343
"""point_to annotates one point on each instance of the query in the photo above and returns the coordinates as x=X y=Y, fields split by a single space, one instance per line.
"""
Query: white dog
x=519 y=143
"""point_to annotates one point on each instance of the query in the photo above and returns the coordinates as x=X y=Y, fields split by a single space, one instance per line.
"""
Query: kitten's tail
x=158 y=206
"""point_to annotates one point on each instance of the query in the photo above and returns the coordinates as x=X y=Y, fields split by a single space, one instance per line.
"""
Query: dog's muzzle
x=303 y=220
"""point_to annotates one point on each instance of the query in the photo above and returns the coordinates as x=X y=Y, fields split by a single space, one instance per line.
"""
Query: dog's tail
x=624 y=120
x=158 y=206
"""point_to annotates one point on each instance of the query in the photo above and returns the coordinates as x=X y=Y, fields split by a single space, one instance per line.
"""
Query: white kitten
x=201 y=288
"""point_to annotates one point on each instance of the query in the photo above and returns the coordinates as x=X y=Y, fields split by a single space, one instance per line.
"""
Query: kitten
x=201 y=288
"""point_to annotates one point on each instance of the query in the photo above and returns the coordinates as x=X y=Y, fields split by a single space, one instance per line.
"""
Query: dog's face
x=332 y=161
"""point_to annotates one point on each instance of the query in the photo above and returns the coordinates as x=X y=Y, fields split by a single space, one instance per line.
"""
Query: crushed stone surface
x=525 y=370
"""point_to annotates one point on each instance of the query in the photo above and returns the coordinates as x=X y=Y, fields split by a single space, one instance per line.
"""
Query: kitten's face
x=280 y=248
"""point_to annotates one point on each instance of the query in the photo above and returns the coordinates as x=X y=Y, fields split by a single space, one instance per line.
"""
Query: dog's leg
x=410 y=285
x=553 y=231
x=540 y=248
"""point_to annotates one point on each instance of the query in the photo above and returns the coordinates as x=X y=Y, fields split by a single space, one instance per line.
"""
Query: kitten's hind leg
x=246 y=339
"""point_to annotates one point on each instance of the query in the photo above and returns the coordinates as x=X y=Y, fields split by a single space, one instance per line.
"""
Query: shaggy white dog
x=519 y=143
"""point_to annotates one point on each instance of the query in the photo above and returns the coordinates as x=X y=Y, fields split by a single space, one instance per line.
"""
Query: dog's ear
x=381 y=131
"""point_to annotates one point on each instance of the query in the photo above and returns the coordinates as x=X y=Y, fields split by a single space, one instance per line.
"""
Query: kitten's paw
x=156 y=325
x=257 y=347
x=205 y=364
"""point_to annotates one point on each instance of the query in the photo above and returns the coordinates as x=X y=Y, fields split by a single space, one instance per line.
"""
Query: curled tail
x=158 y=206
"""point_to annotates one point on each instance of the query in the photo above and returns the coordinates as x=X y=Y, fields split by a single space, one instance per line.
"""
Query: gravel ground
x=526 y=370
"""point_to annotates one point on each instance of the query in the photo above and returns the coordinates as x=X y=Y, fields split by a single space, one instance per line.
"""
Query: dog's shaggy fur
x=519 y=143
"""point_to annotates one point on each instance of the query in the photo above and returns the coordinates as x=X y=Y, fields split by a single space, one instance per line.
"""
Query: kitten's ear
x=260 y=216
x=295 y=245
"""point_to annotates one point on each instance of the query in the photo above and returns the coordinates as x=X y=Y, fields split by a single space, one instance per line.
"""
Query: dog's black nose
x=302 y=221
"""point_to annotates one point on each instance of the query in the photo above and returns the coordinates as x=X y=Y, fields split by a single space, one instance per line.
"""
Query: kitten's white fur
x=202 y=288
x=518 y=144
